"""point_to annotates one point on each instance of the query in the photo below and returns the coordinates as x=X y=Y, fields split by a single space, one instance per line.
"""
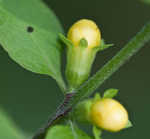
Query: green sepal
x=97 y=132
x=110 y=93
x=79 y=63
x=103 y=46
x=129 y=124
x=82 y=111
x=65 y=40
x=97 y=97
x=83 y=43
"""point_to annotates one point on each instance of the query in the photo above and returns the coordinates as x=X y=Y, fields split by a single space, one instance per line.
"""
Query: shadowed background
x=30 y=98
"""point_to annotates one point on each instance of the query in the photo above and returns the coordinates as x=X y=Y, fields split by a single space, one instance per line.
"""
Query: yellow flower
x=86 y=29
x=109 y=114
x=84 y=36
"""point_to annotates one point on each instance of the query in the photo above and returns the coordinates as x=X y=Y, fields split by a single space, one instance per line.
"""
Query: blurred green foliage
x=8 y=130
x=146 y=1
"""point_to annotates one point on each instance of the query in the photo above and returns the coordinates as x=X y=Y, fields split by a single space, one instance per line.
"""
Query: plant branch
x=104 y=73
x=61 y=111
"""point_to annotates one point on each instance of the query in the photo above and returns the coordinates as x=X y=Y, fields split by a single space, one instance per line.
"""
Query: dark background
x=30 y=98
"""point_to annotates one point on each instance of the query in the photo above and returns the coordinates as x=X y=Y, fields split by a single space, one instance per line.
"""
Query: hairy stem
x=60 y=112
x=104 y=73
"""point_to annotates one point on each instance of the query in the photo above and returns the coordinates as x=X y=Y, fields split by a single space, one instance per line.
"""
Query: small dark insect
x=30 y=29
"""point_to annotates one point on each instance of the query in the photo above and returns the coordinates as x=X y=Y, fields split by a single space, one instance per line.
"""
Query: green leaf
x=129 y=124
x=97 y=132
x=8 y=130
x=110 y=93
x=37 y=51
x=33 y=12
x=65 y=132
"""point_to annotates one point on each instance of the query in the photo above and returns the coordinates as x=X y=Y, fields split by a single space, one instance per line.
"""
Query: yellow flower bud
x=109 y=114
x=83 y=43
x=86 y=29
